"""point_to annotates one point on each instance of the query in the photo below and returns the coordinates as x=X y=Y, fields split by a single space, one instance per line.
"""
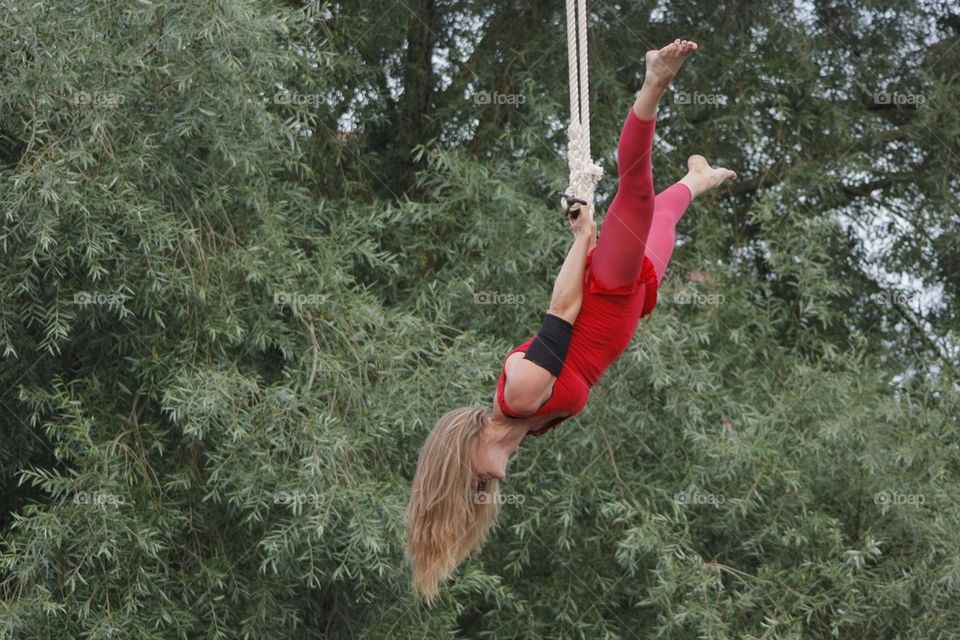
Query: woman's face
x=490 y=459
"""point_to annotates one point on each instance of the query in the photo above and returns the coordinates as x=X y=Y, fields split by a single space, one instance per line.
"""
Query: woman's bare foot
x=702 y=177
x=662 y=65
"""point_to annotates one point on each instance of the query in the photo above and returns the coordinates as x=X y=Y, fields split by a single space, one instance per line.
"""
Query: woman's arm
x=568 y=288
x=528 y=385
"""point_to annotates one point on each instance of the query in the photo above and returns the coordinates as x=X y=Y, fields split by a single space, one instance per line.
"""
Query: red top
x=601 y=333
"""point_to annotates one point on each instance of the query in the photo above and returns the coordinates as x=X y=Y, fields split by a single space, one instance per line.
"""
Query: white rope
x=584 y=174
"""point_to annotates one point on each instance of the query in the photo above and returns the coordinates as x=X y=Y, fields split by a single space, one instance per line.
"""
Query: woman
x=602 y=291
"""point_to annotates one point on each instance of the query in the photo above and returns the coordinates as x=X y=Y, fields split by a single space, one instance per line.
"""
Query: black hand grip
x=572 y=210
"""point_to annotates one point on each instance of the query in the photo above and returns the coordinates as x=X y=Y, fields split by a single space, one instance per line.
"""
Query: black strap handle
x=573 y=205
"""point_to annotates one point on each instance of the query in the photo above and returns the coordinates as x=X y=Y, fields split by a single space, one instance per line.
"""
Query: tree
x=240 y=254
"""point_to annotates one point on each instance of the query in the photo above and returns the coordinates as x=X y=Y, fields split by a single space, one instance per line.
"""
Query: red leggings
x=638 y=223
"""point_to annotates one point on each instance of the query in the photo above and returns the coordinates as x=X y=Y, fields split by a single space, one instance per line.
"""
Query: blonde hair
x=450 y=514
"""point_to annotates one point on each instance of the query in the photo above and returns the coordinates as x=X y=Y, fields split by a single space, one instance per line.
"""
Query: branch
x=907 y=314
x=867 y=188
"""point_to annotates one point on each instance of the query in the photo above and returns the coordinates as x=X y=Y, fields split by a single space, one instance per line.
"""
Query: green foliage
x=239 y=251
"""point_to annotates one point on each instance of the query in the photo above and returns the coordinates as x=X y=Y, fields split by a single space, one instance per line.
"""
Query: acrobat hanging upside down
x=603 y=289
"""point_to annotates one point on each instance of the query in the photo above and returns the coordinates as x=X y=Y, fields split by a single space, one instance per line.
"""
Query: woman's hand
x=583 y=224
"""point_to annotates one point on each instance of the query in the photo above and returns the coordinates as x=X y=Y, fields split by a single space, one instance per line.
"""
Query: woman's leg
x=672 y=203
x=619 y=254
x=622 y=244
x=669 y=207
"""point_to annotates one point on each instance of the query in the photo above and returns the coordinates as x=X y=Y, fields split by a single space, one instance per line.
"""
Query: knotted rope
x=584 y=174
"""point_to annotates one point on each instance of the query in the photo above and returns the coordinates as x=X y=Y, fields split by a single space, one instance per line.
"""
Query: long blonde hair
x=450 y=514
